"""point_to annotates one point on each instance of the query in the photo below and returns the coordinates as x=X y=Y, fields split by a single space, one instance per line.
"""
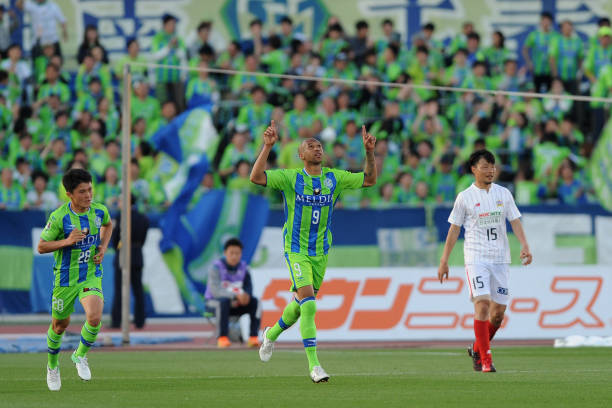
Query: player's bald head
x=305 y=144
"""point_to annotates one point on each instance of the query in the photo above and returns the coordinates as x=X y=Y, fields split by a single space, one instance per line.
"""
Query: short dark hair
x=429 y=26
x=481 y=154
x=204 y=25
x=361 y=24
x=473 y=36
x=256 y=22
x=233 y=242
x=387 y=21
x=39 y=173
x=275 y=42
x=74 y=177
x=548 y=15
x=286 y=19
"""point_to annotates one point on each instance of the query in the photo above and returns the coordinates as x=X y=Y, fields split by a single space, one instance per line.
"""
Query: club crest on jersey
x=98 y=222
x=316 y=191
x=500 y=203
x=329 y=183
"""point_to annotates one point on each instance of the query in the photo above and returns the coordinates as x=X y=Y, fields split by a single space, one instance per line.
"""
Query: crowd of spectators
x=52 y=120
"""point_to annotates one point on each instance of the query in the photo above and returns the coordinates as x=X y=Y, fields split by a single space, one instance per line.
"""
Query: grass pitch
x=526 y=377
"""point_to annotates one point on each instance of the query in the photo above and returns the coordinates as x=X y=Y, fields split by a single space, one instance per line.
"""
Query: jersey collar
x=484 y=190
x=316 y=175
x=74 y=212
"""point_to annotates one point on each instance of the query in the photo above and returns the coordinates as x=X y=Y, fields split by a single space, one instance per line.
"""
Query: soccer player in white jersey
x=483 y=209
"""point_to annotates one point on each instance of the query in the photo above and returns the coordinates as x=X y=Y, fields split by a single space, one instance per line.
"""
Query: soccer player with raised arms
x=483 y=209
x=310 y=194
x=77 y=233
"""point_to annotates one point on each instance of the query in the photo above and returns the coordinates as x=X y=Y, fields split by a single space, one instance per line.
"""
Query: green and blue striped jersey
x=309 y=203
x=75 y=264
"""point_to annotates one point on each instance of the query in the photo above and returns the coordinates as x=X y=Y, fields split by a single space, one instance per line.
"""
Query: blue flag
x=195 y=229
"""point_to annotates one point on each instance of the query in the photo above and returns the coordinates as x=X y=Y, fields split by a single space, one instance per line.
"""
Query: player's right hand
x=270 y=135
x=443 y=272
x=75 y=236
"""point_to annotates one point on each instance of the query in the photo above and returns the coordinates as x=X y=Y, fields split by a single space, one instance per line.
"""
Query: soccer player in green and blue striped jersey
x=310 y=194
x=78 y=234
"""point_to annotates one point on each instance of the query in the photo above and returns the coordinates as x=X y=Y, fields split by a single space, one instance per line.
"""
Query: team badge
x=329 y=183
x=48 y=226
x=98 y=222
x=316 y=191
x=500 y=203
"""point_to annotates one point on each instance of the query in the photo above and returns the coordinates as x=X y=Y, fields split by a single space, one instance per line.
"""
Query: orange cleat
x=223 y=342
x=253 y=342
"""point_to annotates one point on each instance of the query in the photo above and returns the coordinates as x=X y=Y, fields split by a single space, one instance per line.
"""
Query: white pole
x=126 y=214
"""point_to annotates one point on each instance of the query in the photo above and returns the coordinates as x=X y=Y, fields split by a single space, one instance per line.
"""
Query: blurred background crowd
x=53 y=119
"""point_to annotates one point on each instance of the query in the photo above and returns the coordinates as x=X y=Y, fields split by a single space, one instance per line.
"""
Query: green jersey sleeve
x=348 y=180
x=53 y=229
x=278 y=179
x=106 y=219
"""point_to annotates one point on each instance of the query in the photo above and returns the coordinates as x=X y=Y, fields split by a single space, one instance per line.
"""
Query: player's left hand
x=369 y=141
x=99 y=256
x=526 y=256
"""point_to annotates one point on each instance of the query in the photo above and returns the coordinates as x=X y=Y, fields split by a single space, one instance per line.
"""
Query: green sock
x=290 y=315
x=88 y=338
x=54 y=342
x=308 y=308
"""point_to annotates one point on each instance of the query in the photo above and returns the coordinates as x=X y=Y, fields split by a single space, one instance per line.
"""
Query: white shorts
x=490 y=280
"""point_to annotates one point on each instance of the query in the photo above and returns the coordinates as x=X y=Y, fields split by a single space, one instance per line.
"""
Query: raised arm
x=369 y=171
x=258 y=173
x=451 y=240
x=517 y=228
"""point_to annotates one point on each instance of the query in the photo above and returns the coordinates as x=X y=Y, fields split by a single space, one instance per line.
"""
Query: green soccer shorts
x=306 y=270
x=63 y=299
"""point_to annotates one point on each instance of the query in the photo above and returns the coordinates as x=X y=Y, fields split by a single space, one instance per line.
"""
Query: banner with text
x=411 y=304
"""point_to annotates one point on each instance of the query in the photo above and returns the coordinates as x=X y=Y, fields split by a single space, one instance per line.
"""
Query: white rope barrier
x=379 y=83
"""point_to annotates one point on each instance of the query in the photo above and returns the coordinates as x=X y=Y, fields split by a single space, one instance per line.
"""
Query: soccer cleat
x=54 y=382
x=82 y=366
x=476 y=362
x=488 y=367
x=253 y=342
x=267 y=347
x=318 y=375
x=223 y=342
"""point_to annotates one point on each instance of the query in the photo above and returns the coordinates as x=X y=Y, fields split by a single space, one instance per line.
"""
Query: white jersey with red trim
x=483 y=214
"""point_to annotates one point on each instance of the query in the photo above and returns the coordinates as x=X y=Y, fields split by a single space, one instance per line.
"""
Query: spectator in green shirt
x=538 y=43
x=242 y=84
x=167 y=48
x=528 y=191
x=458 y=71
x=566 y=56
x=404 y=193
x=53 y=86
x=460 y=40
x=298 y=117
x=497 y=54
x=132 y=56
x=389 y=36
x=599 y=55
x=202 y=87
x=109 y=192
x=275 y=59
x=333 y=44
x=237 y=150
x=145 y=106
x=257 y=114
x=12 y=195
x=240 y=180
